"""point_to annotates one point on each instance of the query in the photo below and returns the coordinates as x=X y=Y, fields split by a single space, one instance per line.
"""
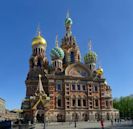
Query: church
x=66 y=89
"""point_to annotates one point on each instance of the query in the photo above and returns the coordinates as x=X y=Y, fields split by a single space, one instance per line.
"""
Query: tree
x=125 y=106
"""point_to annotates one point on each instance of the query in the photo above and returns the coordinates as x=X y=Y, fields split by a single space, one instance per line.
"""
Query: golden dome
x=39 y=40
x=100 y=71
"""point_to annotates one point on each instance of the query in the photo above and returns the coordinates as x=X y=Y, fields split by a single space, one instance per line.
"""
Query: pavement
x=86 y=125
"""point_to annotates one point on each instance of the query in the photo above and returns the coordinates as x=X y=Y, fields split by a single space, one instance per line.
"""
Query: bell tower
x=69 y=45
x=38 y=65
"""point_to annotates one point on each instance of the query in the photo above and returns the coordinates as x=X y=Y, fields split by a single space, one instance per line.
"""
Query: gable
x=77 y=70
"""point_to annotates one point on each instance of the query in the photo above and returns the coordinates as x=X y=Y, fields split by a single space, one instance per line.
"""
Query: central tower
x=69 y=45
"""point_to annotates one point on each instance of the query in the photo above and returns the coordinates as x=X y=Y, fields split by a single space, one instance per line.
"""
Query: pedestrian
x=102 y=124
x=111 y=122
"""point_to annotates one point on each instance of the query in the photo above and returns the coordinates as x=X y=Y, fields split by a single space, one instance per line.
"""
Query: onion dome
x=99 y=71
x=57 y=52
x=91 y=56
x=39 y=40
x=68 y=20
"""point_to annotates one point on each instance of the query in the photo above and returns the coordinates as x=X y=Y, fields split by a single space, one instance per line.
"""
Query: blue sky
x=108 y=23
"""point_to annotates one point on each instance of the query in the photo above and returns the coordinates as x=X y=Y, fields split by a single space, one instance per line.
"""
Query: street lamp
x=46 y=101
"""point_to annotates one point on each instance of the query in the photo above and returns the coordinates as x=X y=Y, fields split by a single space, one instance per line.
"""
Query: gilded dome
x=57 y=53
x=99 y=71
x=39 y=40
x=90 y=57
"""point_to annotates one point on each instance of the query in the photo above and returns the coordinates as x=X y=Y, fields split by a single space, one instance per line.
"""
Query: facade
x=6 y=114
x=77 y=90
x=2 y=108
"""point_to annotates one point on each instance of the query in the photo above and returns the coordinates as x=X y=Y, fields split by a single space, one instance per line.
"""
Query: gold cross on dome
x=38 y=30
x=56 y=40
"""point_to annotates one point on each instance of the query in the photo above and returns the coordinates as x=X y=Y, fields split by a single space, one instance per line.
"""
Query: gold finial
x=56 y=40
x=90 y=45
x=67 y=16
x=38 y=30
x=40 y=76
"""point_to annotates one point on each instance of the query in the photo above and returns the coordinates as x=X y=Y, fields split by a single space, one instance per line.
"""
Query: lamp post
x=46 y=101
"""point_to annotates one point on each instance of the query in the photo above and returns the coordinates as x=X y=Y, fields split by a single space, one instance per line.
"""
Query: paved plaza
x=86 y=125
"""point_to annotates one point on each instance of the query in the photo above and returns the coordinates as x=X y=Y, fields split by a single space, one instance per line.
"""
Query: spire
x=38 y=30
x=68 y=15
x=40 y=86
x=90 y=45
x=56 y=40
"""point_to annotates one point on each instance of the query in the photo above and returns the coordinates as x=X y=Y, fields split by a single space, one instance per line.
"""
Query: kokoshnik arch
x=75 y=88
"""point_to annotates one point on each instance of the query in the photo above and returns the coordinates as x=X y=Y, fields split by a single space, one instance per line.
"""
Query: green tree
x=125 y=106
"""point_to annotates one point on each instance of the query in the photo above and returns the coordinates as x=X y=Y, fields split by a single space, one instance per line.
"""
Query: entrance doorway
x=40 y=118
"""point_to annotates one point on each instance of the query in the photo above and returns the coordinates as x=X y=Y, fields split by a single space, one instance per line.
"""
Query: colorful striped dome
x=57 y=53
x=68 y=21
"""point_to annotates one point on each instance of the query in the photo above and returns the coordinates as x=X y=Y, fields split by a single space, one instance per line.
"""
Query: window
x=67 y=98
x=79 y=102
x=107 y=103
x=96 y=102
x=83 y=87
x=78 y=87
x=73 y=87
x=67 y=88
x=64 y=59
x=73 y=102
x=95 y=88
x=67 y=102
x=59 y=102
x=58 y=87
x=39 y=63
x=90 y=67
x=84 y=102
x=72 y=57
x=67 y=92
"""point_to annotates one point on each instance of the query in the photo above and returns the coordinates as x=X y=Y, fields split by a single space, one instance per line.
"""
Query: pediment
x=77 y=70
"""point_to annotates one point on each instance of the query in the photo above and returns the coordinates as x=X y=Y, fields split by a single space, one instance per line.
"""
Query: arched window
x=36 y=50
x=59 y=101
x=79 y=102
x=39 y=63
x=96 y=102
x=72 y=57
x=84 y=102
x=64 y=59
x=78 y=57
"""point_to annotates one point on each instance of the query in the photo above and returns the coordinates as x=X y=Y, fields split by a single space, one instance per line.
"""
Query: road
x=86 y=125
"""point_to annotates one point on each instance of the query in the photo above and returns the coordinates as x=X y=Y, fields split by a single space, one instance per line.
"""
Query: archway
x=75 y=117
x=40 y=118
x=60 y=118
x=85 y=117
